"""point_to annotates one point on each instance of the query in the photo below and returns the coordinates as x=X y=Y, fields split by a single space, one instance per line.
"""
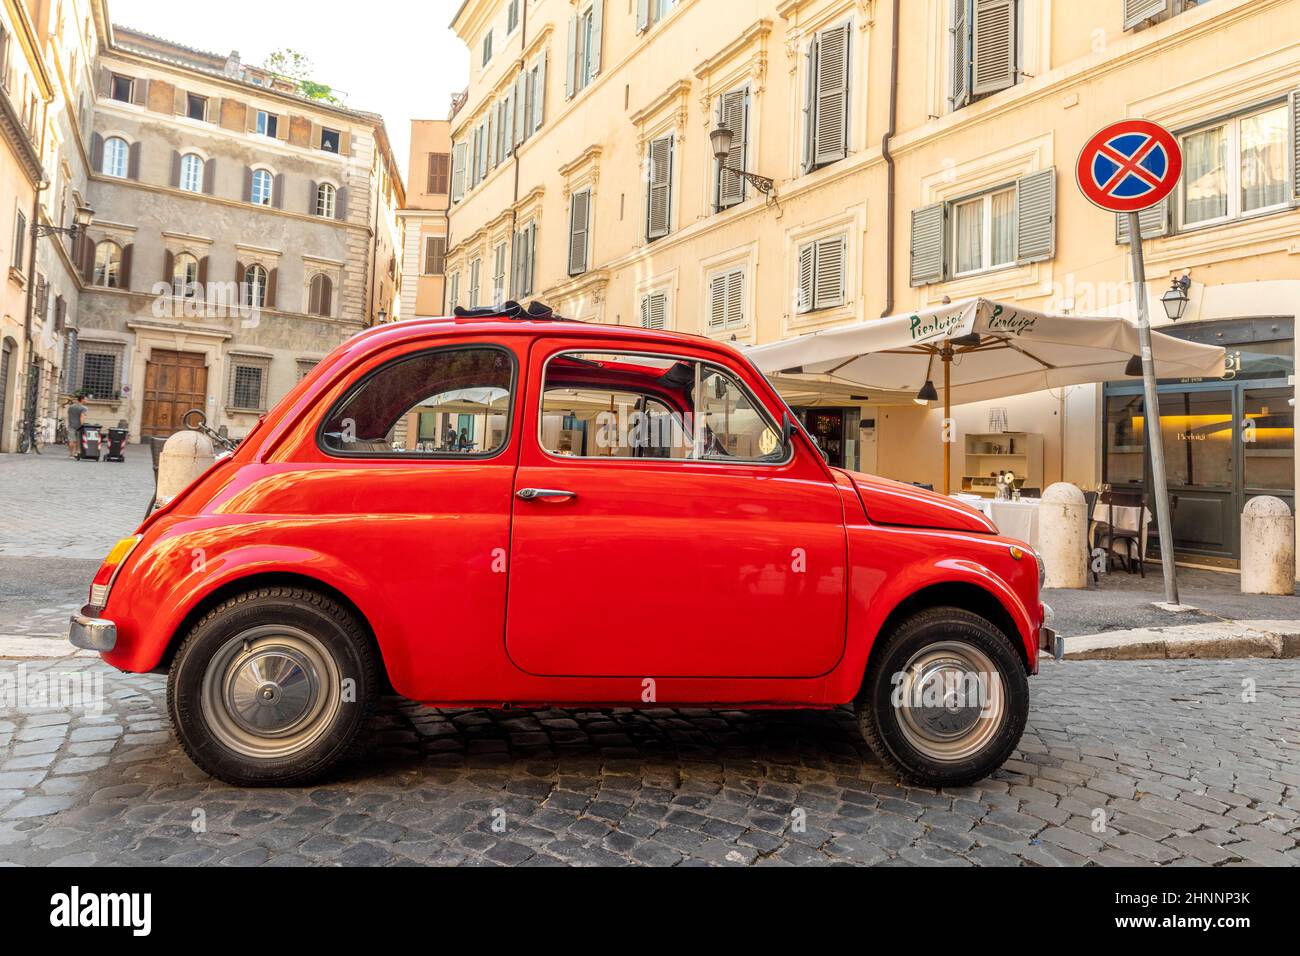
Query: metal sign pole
x=1155 y=440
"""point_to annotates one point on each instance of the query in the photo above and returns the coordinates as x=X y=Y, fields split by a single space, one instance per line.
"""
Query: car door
x=654 y=536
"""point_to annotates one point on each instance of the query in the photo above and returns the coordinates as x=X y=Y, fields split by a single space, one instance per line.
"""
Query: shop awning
x=989 y=350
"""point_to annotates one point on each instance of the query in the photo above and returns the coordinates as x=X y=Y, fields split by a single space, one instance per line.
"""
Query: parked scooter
x=90 y=442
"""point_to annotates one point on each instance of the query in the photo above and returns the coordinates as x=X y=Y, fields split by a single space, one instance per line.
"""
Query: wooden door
x=174 y=382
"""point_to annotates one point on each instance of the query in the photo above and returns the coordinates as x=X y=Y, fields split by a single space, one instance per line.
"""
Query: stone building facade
x=241 y=231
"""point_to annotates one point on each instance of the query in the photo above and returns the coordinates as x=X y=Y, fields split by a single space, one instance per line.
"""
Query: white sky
x=393 y=57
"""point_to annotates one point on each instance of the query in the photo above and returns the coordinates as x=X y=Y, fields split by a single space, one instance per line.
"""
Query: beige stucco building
x=583 y=175
x=424 y=219
x=47 y=50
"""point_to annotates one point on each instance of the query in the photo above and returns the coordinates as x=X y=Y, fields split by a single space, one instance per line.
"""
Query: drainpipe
x=890 y=170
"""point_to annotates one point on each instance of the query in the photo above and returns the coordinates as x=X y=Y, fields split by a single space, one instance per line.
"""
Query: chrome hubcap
x=950 y=701
x=271 y=692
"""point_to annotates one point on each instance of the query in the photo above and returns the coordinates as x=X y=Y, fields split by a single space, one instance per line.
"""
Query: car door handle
x=534 y=494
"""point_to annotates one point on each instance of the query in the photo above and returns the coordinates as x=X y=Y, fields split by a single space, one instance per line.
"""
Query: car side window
x=624 y=405
x=446 y=403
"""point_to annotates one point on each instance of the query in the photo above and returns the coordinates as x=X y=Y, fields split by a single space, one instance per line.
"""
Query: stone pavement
x=1162 y=763
x=54 y=507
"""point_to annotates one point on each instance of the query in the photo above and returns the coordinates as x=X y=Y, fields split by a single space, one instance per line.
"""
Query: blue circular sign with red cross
x=1130 y=166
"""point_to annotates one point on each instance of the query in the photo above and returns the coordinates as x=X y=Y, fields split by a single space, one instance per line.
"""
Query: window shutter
x=277 y=191
x=133 y=163
x=571 y=60
x=272 y=280
x=124 y=272
x=176 y=169
x=139 y=91
x=458 y=172
x=508 y=123
x=828 y=282
x=1136 y=12
x=597 y=27
x=203 y=274
x=959 y=60
x=579 y=219
x=240 y=269
x=1295 y=145
x=735 y=297
x=521 y=106
x=994 y=46
x=313 y=197
x=483 y=150
x=733 y=113
x=169 y=265
x=654 y=311
x=248 y=184
x=1036 y=217
x=499 y=275
x=210 y=176
x=1154 y=222
x=831 y=105
x=806 y=257
x=539 y=93
x=97 y=152
x=341 y=204
x=530 y=256
x=642 y=15
x=105 y=85
x=475 y=275
x=492 y=137
x=927 y=245
x=717 y=302
x=659 y=205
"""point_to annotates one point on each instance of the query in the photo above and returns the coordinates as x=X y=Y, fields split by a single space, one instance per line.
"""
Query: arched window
x=185 y=276
x=108 y=265
x=192 y=173
x=321 y=300
x=117 y=157
x=255 y=286
x=263 y=186
x=326 y=200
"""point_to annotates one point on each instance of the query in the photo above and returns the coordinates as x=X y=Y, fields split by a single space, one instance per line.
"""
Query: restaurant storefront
x=1225 y=441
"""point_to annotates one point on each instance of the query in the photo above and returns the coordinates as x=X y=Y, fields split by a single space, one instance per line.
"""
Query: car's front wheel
x=945 y=698
x=271 y=687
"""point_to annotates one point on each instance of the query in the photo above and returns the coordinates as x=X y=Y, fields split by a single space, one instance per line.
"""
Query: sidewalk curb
x=1217 y=640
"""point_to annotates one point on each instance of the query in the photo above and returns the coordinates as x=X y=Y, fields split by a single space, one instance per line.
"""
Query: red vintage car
x=515 y=510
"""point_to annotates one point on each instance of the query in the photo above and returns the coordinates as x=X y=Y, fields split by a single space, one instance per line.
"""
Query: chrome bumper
x=92 y=634
x=1048 y=640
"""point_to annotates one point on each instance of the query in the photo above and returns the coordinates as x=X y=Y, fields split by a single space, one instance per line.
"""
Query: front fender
x=890 y=566
x=187 y=562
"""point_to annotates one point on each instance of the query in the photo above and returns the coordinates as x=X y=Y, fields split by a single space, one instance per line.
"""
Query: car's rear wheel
x=945 y=699
x=271 y=687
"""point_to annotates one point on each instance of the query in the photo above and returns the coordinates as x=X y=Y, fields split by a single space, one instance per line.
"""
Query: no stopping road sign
x=1129 y=166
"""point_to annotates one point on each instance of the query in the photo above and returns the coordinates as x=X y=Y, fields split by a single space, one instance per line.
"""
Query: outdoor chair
x=1129 y=539
x=1089 y=541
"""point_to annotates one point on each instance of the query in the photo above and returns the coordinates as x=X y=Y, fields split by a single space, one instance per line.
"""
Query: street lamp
x=1175 y=299
x=81 y=221
x=721 y=139
x=383 y=316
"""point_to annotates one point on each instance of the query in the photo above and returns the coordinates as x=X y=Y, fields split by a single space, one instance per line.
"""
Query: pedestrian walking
x=76 y=416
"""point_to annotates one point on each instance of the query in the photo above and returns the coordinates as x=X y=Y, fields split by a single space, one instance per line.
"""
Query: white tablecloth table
x=1015 y=519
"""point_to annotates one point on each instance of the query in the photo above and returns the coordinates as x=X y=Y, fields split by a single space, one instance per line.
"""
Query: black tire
x=200 y=682
x=895 y=741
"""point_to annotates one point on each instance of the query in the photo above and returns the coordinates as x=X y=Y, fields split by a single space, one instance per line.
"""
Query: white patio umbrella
x=982 y=350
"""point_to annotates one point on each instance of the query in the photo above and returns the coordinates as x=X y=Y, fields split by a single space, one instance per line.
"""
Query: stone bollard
x=185 y=456
x=1267 y=547
x=1062 y=536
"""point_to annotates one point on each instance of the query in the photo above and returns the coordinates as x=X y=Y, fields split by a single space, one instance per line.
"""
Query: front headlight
x=1042 y=570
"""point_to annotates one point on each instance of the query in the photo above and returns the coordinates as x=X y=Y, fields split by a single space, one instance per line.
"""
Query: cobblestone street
x=1186 y=771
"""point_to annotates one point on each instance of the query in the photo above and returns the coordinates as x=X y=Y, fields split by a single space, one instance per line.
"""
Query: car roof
x=391 y=332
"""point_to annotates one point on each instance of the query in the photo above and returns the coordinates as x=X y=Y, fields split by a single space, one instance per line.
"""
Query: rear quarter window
x=443 y=403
